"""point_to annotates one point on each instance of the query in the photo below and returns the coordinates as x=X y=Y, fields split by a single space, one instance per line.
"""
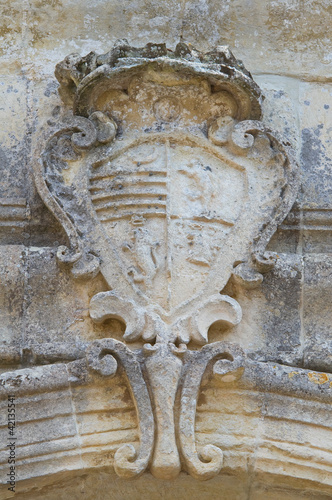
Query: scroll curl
x=103 y=356
x=71 y=138
x=229 y=358
x=242 y=138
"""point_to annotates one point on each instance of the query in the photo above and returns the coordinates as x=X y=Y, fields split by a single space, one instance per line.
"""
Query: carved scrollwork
x=71 y=139
x=241 y=137
x=218 y=308
x=228 y=362
x=246 y=276
x=107 y=305
x=103 y=357
x=166 y=181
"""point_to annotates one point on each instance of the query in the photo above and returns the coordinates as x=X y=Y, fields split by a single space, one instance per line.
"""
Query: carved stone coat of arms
x=166 y=181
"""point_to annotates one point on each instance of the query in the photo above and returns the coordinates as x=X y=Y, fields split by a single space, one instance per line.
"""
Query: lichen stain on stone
x=8 y=15
x=315 y=163
x=292 y=374
x=303 y=22
x=51 y=3
x=312 y=146
x=126 y=397
x=43 y=11
x=202 y=399
x=318 y=378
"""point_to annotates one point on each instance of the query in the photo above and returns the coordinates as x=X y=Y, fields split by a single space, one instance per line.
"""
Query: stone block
x=12 y=284
x=316 y=150
x=317 y=312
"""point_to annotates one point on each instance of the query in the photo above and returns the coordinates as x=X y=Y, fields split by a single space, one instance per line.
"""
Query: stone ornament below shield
x=166 y=181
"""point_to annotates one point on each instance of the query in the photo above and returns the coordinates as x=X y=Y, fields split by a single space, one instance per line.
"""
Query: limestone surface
x=165 y=250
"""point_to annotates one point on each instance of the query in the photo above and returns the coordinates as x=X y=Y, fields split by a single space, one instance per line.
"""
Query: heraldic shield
x=166 y=181
x=167 y=205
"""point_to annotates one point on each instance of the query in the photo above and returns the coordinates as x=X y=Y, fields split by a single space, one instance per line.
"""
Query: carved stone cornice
x=165 y=181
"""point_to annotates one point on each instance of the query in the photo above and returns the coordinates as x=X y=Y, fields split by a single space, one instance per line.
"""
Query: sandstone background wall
x=287 y=47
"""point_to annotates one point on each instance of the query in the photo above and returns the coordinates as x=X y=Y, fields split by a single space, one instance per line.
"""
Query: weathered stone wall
x=276 y=443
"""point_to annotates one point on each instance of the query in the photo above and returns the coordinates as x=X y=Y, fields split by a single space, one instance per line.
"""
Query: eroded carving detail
x=228 y=362
x=102 y=357
x=167 y=182
x=164 y=365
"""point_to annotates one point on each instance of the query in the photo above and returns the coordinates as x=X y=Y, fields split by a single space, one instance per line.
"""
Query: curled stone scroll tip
x=207 y=464
x=126 y=464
